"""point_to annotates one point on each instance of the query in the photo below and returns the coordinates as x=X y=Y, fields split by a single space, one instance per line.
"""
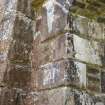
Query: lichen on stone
x=36 y=4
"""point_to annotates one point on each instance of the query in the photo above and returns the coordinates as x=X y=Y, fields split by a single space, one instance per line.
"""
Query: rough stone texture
x=94 y=79
x=51 y=20
x=59 y=74
x=58 y=61
x=67 y=96
x=73 y=46
x=19 y=61
x=88 y=28
x=70 y=73
x=16 y=96
x=6 y=25
x=103 y=81
x=16 y=38
x=71 y=55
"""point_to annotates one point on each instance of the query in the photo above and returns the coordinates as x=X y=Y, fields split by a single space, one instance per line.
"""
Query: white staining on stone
x=50 y=14
x=62 y=7
x=50 y=73
x=99 y=103
x=81 y=69
x=10 y=5
x=8 y=20
x=85 y=51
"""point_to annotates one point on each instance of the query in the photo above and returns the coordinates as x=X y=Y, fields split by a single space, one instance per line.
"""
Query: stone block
x=55 y=49
x=88 y=51
x=53 y=19
x=67 y=96
x=88 y=28
x=73 y=46
x=7 y=96
x=18 y=76
x=60 y=73
x=94 y=79
x=16 y=96
x=69 y=72
x=10 y=6
x=55 y=97
x=23 y=29
x=22 y=39
x=25 y=7
x=3 y=66
x=103 y=82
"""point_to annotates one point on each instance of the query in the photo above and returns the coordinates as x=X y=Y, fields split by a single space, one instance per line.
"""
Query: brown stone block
x=103 y=82
x=23 y=29
x=18 y=76
x=25 y=7
x=36 y=59
x=16 y=96
x=94 y=79
x=53 y=20
x=3 y=67
x=7 y=97
x=21 y=45
x=60 y=73
x=53 y=50
x=56 y=49
x=55 y=97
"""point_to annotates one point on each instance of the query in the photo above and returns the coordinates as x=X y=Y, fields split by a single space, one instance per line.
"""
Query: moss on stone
x=36 y=4
x=91 y=8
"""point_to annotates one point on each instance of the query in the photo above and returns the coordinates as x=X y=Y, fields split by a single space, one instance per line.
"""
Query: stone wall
x=53 y=58
x=16 y=39
x=71 y=69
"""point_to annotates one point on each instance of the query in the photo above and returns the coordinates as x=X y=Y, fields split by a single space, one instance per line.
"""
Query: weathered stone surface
x=25 y=7
x=69 y=72
x=94 y=79
x=1 y=9
x=65 y=54
x=16 y=38
x=16 y=96
x=91 y=9
x=6 y=27
x=53 y=50
x=55 y=97
x=88 y=51
x=103 y=82
x=18 y=71
x=52 y=22
x=18 y=76
x=36 y=53
x=73 y=46
x=88 y=28
x=56 y=22
x=3 y=67
x=67 y=96
x=22 y=41
x=60 y=73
